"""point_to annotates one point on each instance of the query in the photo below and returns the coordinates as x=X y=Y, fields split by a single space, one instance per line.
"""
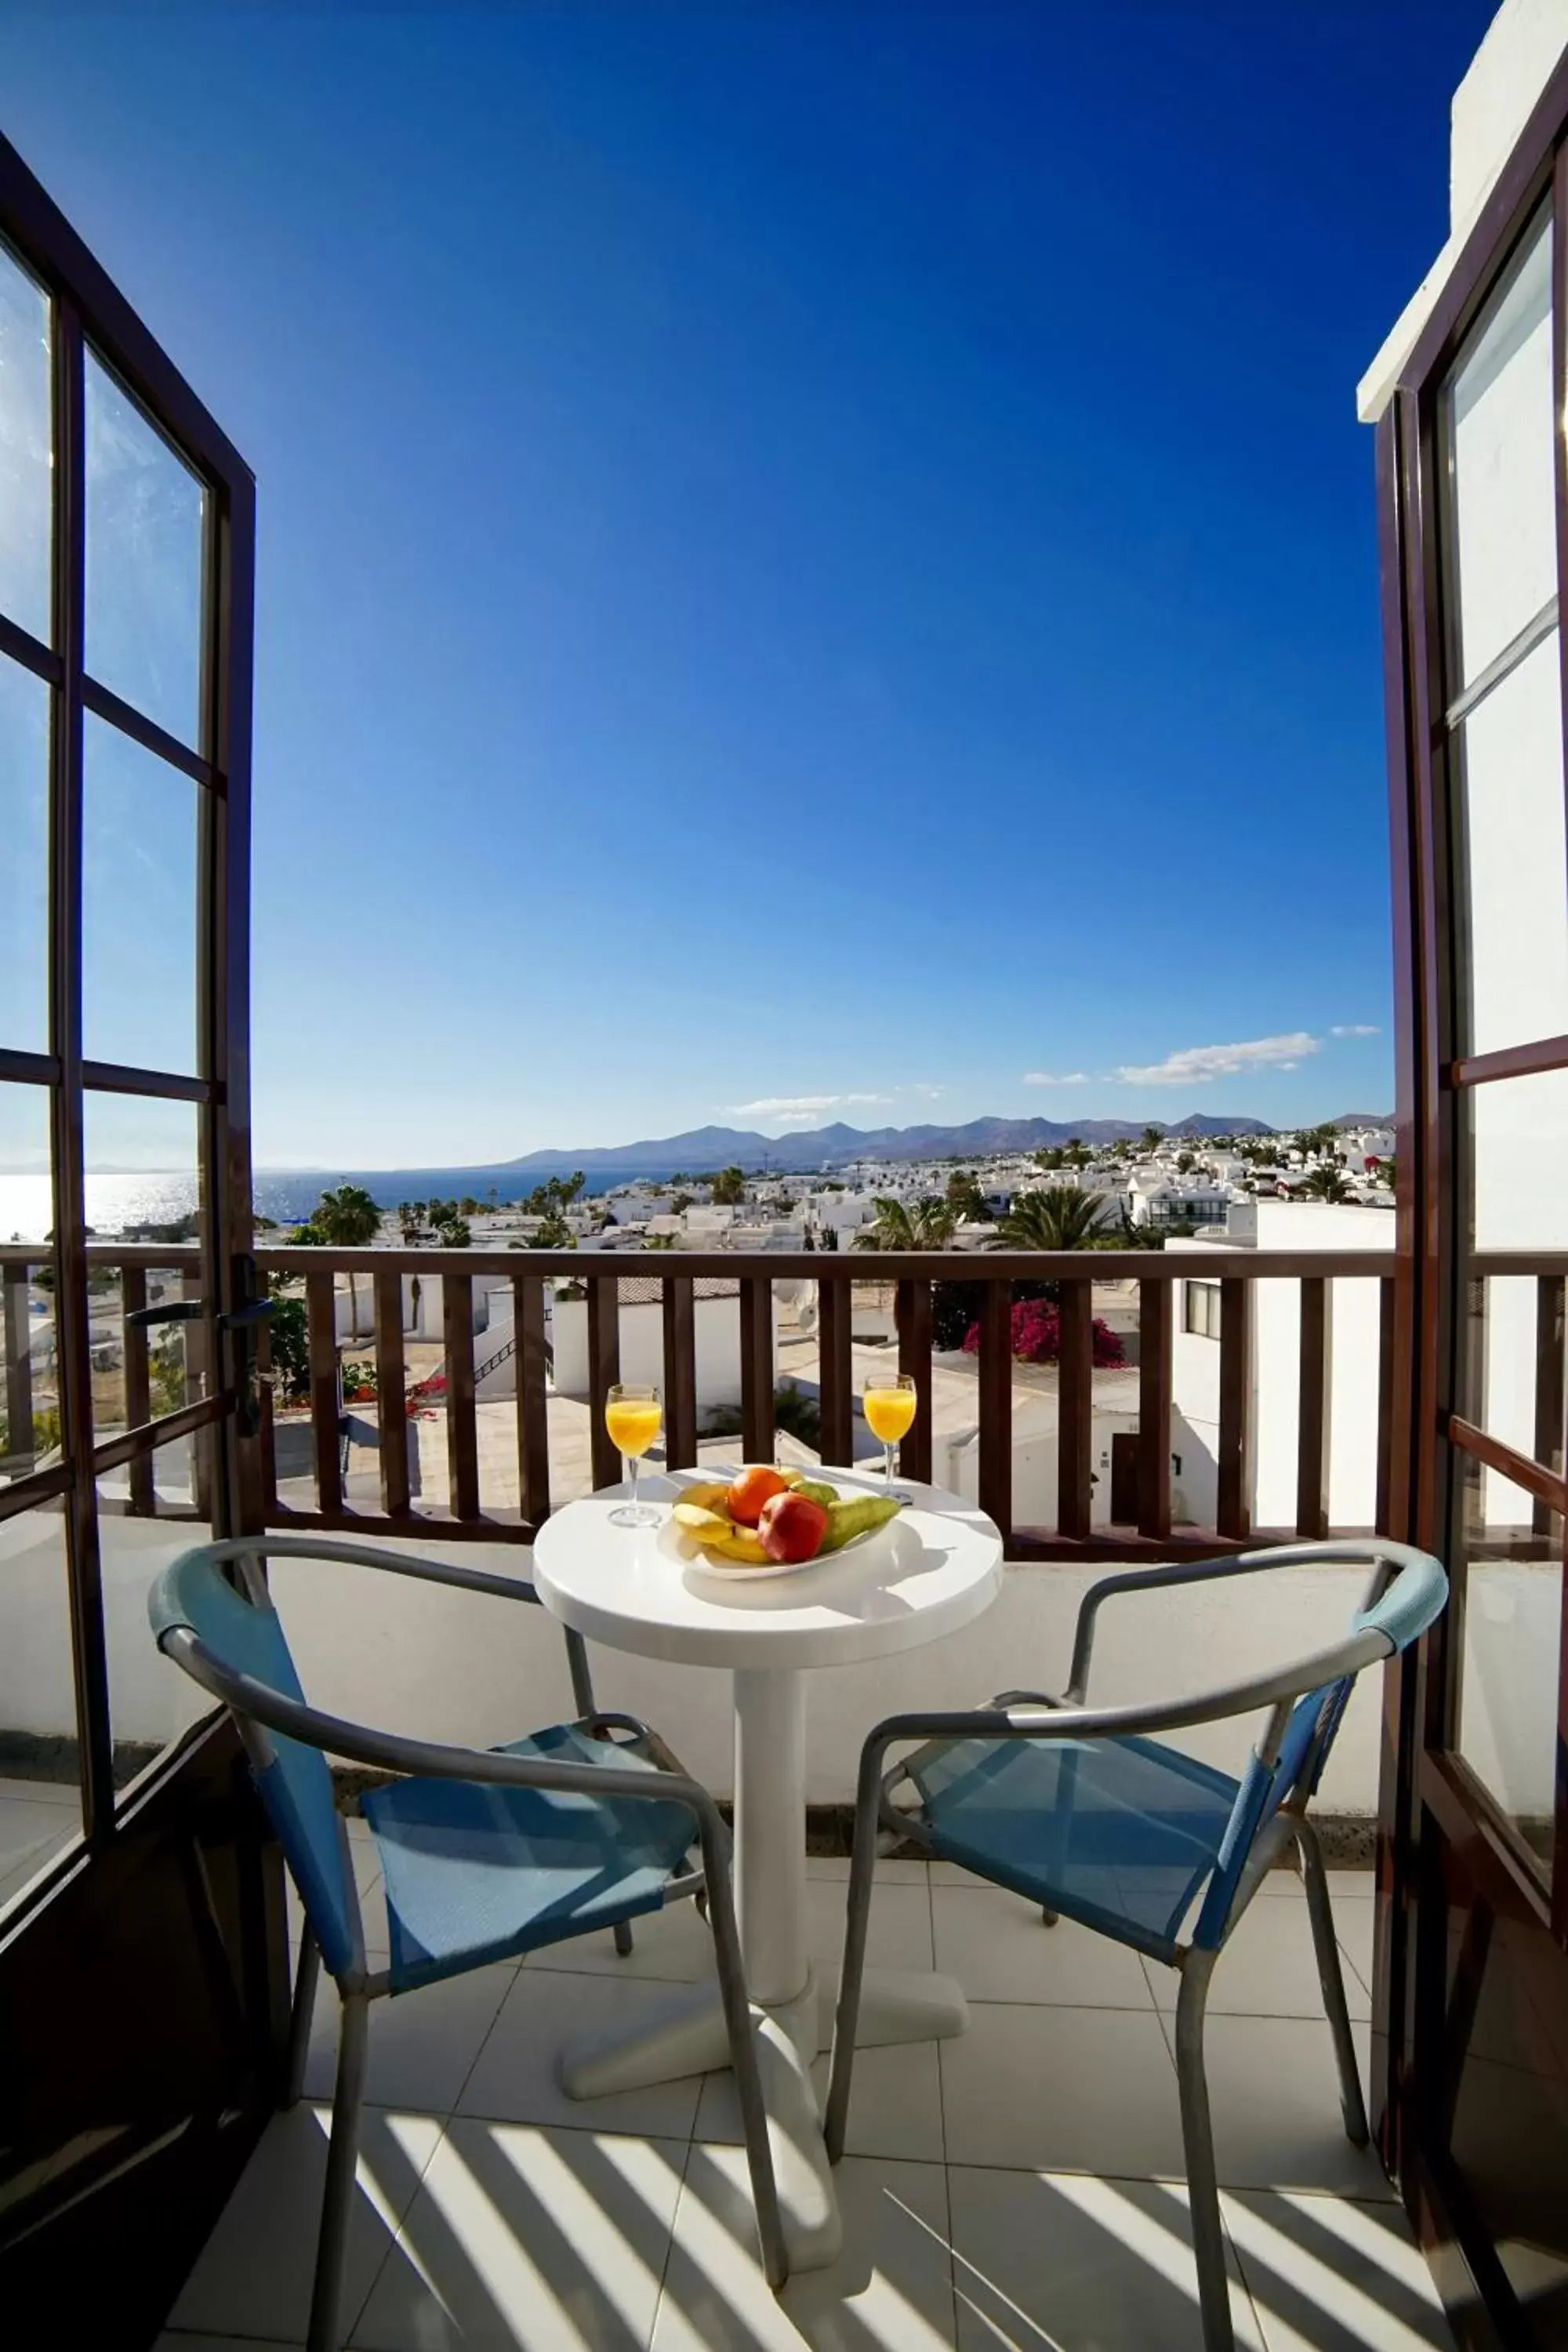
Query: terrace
x=1021 y=2183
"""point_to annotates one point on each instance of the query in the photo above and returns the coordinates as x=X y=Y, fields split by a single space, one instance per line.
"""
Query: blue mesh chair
x=486 y=1852
x=1082 y=1812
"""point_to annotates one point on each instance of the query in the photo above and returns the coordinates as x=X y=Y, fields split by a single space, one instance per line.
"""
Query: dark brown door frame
x=1436 y=1818
x=143 y=1978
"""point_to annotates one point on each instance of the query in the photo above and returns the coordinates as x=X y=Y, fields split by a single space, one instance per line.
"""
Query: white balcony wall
x=716 y=1324
x=455 y=1666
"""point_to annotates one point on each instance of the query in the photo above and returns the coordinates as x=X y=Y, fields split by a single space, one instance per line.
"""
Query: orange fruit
x=750 y=1491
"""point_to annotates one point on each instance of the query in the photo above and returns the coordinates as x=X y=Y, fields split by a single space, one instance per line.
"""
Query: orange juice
x=633 y=1425
x=890 y=1412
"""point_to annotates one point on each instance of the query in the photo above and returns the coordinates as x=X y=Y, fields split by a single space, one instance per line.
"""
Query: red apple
x=792 y=1527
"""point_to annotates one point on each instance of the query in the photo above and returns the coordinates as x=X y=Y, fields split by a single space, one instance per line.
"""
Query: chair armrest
x=1372 y=1551
x=259 y=1703
x=396 y=1563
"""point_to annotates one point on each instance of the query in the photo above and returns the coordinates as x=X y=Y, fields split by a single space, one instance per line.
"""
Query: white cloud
x=1053 y=1078
x=1194 y=1066
x=1356 y=1029
x=797 y=1106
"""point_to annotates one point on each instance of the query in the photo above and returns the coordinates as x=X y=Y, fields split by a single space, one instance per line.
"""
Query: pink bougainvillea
x=1038 y=1335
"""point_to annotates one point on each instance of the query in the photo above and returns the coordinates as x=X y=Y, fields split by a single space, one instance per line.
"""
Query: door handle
x=177 y=1310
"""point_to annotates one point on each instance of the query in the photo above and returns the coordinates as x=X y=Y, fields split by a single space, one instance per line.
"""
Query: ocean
x=161 y=1196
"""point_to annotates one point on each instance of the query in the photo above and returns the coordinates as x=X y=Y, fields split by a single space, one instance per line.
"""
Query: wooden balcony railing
x=469 y=1491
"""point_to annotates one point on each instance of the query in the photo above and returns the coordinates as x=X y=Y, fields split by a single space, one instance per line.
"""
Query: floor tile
x=1062 y=2090
x=515 y=2077
x=1269 y=1969
x=1327 y=2275
x=177 y=2340
x=897 y=1872
x=899 y=1935
x=1348 y=1885
x=422 y=2044
x=253 y=2277
x=522 y=2236
x=997 y=1947
x=889 y=2291
x=1354 y=1920
x=675 y=1946
x=895 y=2105
x=1045 y=2261
x=1274 y=2104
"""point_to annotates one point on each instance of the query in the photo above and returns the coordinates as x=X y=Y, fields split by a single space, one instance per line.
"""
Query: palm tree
x=899 y=1225
x=1059 y=1217
x=1326 y=1185
x=728 y=1187
x=349 y=1219
x=1151 y=1139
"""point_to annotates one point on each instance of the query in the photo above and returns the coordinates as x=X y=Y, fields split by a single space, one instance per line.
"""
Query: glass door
x=140 y=1942
x=1473 y=1990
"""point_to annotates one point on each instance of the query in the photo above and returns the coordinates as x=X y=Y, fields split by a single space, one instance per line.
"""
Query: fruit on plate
x=792 y=1527
x=854 y=1515
x=696 y=1519
x=737 y=1543
x=750 y=1490
x=706 y=1495
x=816 y=1490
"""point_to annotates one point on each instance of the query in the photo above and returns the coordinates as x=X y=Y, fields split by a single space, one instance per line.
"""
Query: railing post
x=533 y=1398
x=913 y=1313
x=1312 y=1410
x=757 y=1436
x=391 y=1404
x=835 y=1370
x=1235 y=1501
x=133 y=1345
x=603 y=1371
x=198 y=1383
x=320 y=1316
x=1075 y=1412
x=1155 y=1398
x=19 y=1370
x=1387 y=1308
x=462 y=1437
x=995 y=1403
x=1549 y=1387
x=680 y=1312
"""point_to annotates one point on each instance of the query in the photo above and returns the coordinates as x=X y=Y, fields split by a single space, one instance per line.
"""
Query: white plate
x=743 y=1572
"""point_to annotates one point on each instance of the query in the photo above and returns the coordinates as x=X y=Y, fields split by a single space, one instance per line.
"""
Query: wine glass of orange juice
x=889 y=1399
x=634 y=1417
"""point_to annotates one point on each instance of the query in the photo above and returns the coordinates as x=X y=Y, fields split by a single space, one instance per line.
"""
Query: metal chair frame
x=257 y=1707
x=1042 y=1715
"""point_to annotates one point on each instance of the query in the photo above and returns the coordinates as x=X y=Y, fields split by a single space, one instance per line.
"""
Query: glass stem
x=888 y=1450
x=635 y=1460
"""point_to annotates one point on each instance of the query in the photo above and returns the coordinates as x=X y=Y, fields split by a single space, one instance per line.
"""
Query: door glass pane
x=143 y=1185
x=1501 y=512
x=148 y=1511
x=40 y=1796
x=23 y=859
x=145 y=553
x=29 y=1403
x=140 y=864
x=1512 y=1550
x=26 y=451
x=1508 y=755
x=1518 y=1138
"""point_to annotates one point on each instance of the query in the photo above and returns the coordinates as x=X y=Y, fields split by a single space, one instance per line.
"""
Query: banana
x=706 y=1495
x=739 y=1544
x=708 y=1525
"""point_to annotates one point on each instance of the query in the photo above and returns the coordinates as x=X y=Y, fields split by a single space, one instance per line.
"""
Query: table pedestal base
x=688 y=2038
x=792 y=2002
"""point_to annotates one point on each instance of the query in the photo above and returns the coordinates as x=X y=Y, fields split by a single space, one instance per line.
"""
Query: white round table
x=936 y=1568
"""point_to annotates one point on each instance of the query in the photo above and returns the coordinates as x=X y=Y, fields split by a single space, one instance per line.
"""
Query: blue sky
x=817 y=558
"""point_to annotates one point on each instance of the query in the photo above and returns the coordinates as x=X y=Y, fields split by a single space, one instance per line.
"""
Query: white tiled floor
x=1018 y=2188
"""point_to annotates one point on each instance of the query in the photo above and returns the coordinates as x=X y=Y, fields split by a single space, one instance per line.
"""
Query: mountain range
x=705 y=1147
